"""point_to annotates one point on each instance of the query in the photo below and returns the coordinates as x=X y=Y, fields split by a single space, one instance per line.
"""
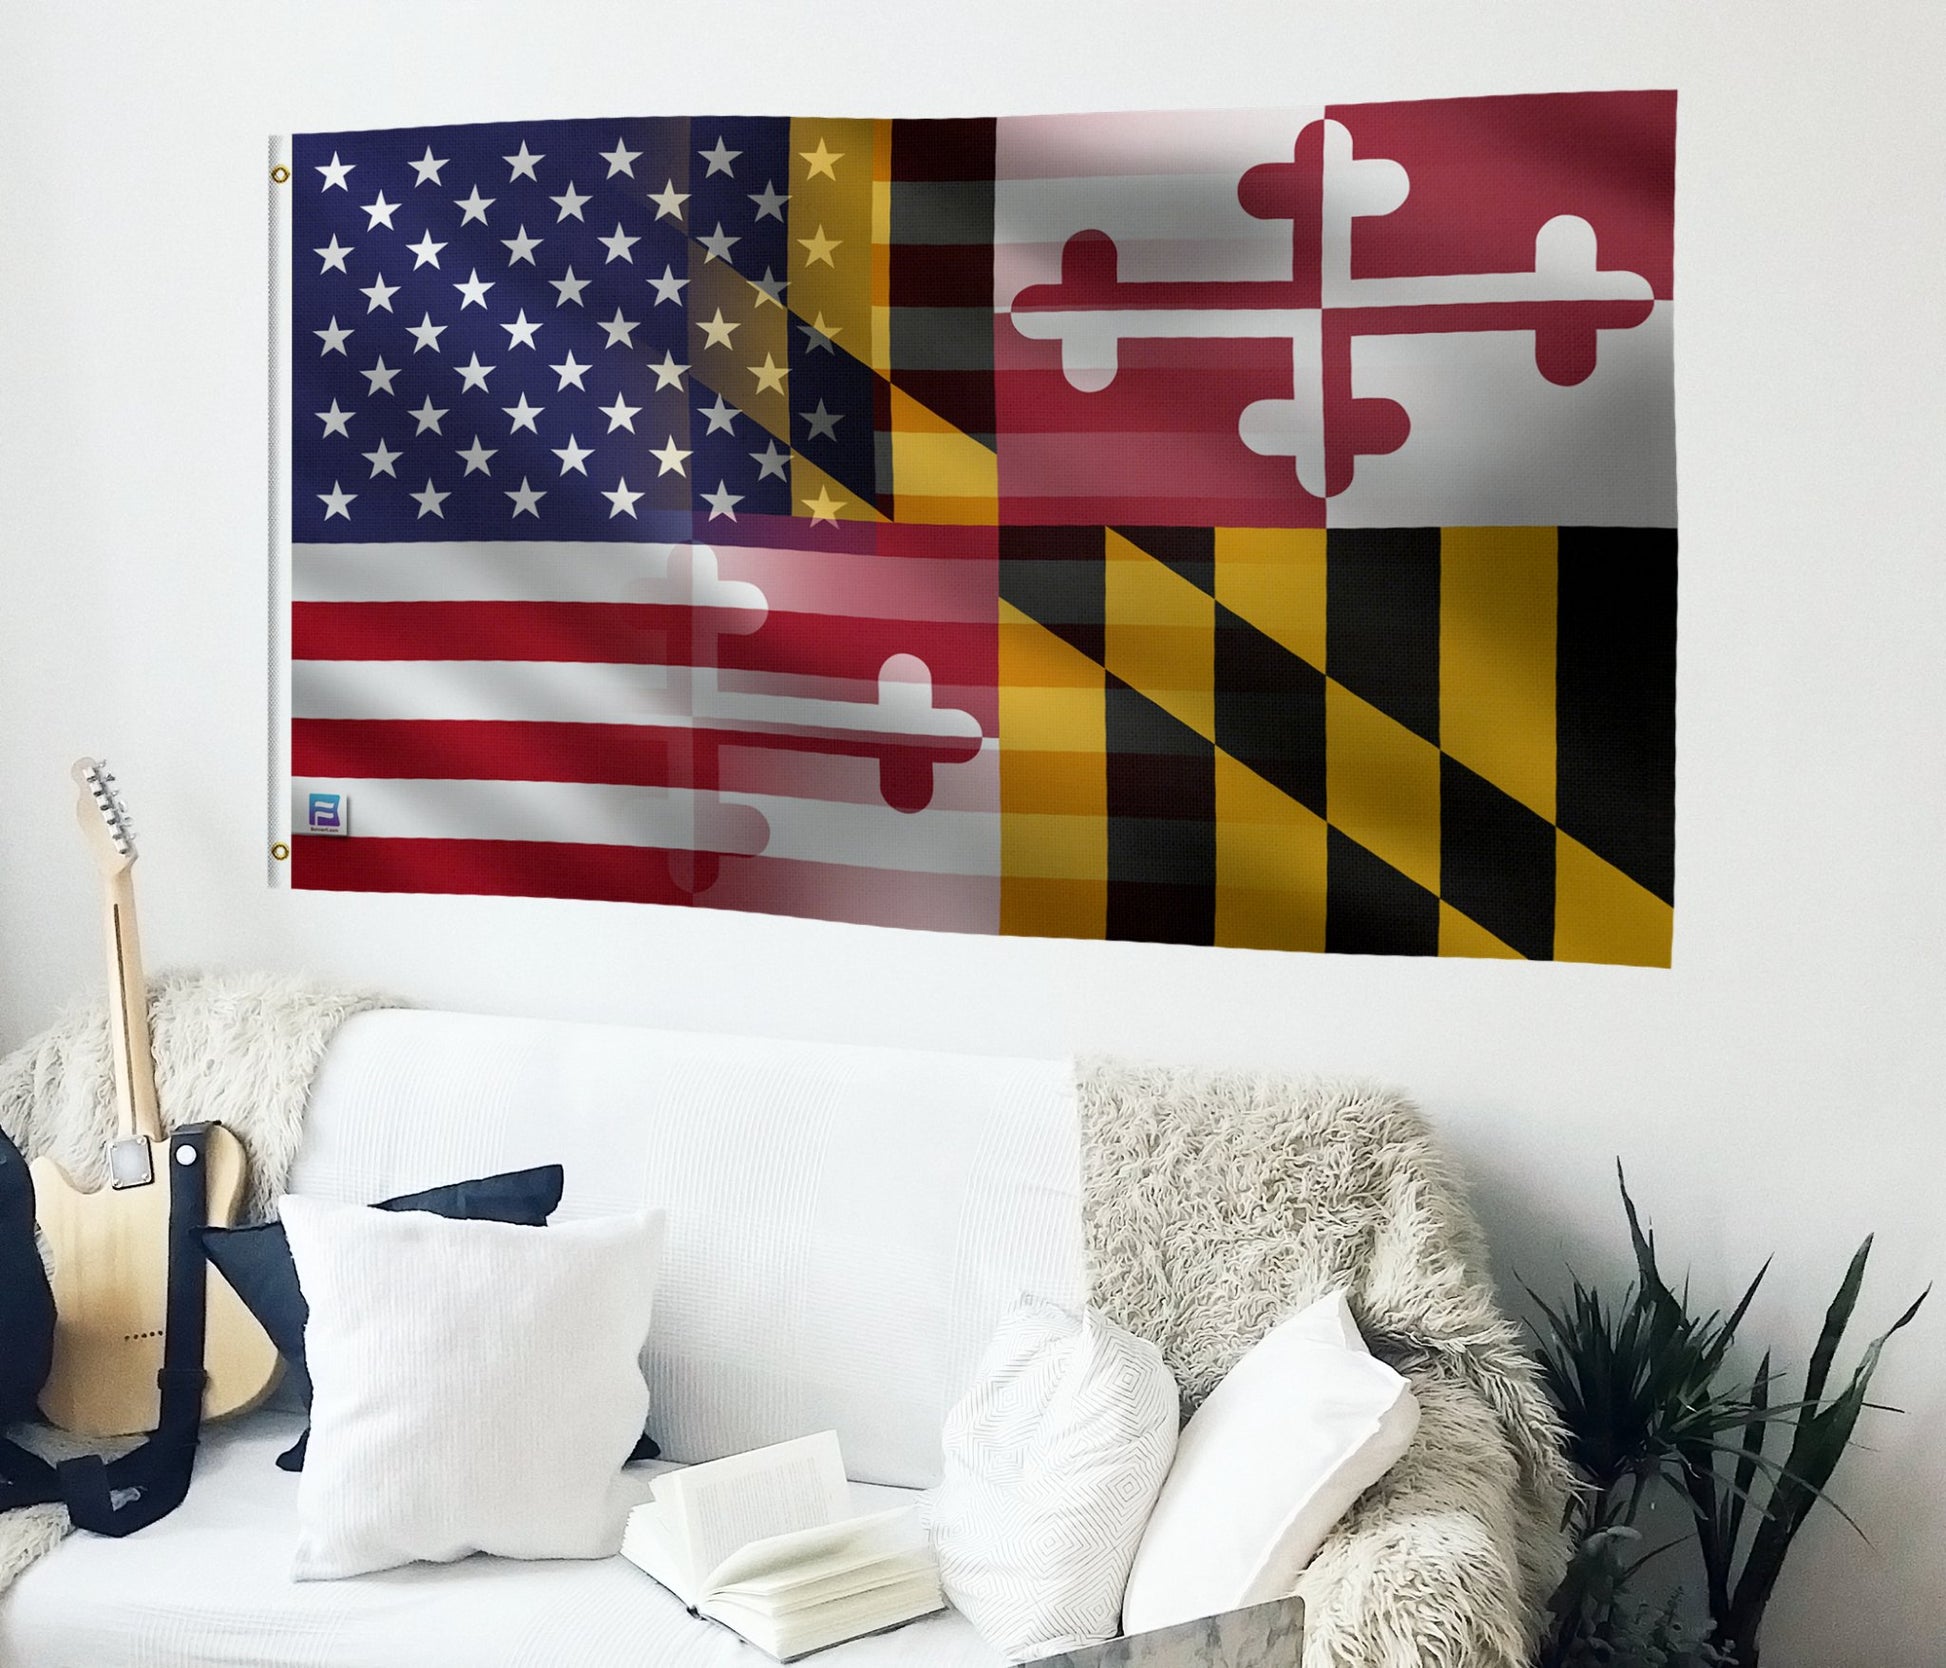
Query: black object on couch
x=26 y=1330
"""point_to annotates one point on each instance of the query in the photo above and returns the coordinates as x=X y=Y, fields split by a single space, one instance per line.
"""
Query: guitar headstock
x=103 y=817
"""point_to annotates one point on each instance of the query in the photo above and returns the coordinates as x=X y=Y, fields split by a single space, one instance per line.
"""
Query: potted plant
x=1651 y=1398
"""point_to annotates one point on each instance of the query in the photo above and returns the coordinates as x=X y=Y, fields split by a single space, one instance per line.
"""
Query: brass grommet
x=280 y=174
x=280 y=852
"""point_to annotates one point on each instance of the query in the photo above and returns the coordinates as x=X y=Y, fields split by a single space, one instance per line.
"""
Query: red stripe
x=942 y=275
x=849 y=646
x=631 y=755
x=944 y=148
x=1149 y=395
x=964 y=543
x=778 y=532
x=822 y=645
x=1297 y=510
x=640 y=633
x=499 y=868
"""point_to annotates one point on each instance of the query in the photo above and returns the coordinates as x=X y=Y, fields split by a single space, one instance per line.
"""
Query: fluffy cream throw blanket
x=235 y=1049
x=1214 y=1204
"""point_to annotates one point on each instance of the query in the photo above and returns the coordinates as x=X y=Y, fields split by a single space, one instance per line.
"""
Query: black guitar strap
x=25 y=1478
x=117 y=1497
x=26 y=1332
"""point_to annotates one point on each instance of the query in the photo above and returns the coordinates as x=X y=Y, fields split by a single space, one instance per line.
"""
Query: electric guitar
x=110 y=1248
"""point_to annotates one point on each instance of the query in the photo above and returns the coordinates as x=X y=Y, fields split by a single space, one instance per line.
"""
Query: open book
x=765 y=1543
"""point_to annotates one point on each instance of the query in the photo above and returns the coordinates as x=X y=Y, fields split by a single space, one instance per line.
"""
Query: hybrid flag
x=1226 y=528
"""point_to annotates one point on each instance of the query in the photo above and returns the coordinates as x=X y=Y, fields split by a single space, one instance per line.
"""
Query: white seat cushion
x=845 y=1224
x=210 y=1585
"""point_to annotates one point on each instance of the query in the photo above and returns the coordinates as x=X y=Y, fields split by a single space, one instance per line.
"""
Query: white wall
x=1779 y=1090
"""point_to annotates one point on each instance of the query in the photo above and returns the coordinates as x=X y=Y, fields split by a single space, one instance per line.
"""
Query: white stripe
x=933 y=589
x=598 y=692
x=517 y=572
x=1164 y=225
x=598 y=813
x=577 y=813
x=876 y=837
x=534 y=691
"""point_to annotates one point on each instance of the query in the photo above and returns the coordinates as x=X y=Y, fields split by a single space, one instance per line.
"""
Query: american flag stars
x=602 y=312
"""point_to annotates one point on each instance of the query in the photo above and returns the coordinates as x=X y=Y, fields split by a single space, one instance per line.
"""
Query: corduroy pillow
x=475 y=1386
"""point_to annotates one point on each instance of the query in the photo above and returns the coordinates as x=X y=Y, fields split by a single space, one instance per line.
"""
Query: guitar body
x=111 y=1298
x=110 y=1248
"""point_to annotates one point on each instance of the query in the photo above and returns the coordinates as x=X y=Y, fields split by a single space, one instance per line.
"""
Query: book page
x=841 y=1581
x=649 y=1541
x=773 y=1565
x=790 y=1636
x=724 y=1505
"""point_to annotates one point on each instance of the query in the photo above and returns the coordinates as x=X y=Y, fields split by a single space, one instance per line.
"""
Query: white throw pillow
x=476 y=1386
x=1053 y=1460
x=1298 y=1429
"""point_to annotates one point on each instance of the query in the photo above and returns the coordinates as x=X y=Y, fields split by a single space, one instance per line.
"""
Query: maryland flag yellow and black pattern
x=1422 y=741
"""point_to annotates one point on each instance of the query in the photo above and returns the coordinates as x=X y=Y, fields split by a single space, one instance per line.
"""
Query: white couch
x=845 y=1226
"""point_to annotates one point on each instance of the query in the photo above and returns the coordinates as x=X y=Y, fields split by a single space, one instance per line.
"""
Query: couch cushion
x=211 y=1585
x=846 y=1224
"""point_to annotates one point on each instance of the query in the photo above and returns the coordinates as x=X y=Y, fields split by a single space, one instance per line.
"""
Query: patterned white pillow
x=1053 y=1460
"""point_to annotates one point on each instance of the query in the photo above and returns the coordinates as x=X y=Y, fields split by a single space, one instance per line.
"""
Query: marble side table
x=1264 y=1636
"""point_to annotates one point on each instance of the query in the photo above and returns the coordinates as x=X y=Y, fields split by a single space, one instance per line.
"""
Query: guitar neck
x=128 y=1012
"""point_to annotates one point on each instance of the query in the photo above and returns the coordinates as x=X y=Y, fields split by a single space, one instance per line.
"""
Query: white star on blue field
x=491 y=328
